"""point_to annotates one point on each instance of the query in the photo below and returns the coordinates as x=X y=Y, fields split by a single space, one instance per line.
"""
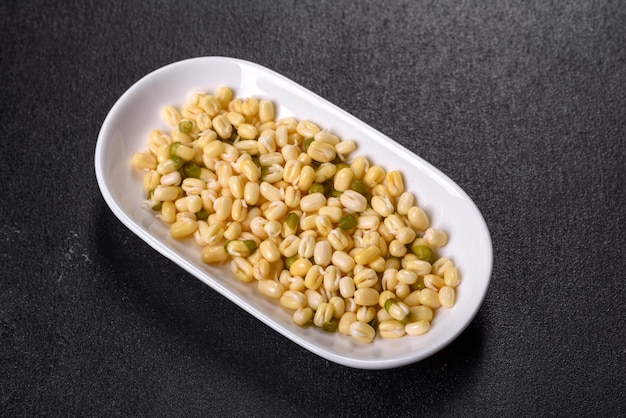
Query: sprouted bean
x=337 y=240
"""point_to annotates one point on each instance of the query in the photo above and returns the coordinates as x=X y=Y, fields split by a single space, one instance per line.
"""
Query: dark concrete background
x=523 y=104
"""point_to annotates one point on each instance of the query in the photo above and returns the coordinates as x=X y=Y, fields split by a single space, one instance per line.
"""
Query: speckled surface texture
x=523 y=104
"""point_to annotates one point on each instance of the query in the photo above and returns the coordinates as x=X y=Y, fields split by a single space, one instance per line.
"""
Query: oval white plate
x=125 y=131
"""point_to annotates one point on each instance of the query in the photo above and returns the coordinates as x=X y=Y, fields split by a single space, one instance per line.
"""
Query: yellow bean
x=412 y=299
x=440 y=266
x=306 y=247
x=339 y=306
x=418 y=218
x=250 y=170
x=289 y=246
x=144 y=161
x=430 y=298
x=170 y=179
x=167 y=193
x=343 y=179
x=325 y=172
x=292 y=170
x=212 y=234
x=345 y=322
x=421 y=267
x=167 y=166
x=307 y=128
x=250 y=106
x=270 y=288
x=151 y=180
x=402 y=290
x=407 y=276
x=266 y=111
x=290 y=152
x=366 y=296
x=224 y=172
x=213 y=254
x=324 y=136
x=203 y=122
x=375 y=175
x=171 y=115
x=370 y=222
x=194 y=203
x=345 y=147
x=302 y=316
x=282 y=136
x=322 y=253
x=312 y=202
x=346 y=287
x=269 y=250
x=396 y=248
x=289 y=123
x=434 y=282
x=360 y=165
x=193 y=186
x=447 y=296
x=222 y=126
x=251 y=193
x=249 y=132
x=184 y=152
x=367 y=277
x=351 y=305
x=183 y=228
x=382 y=315
x=417 y=328
x=353 y=201
x=236 y=119
x=451 y=276
x=323 y=314
x=210 y=104
x=391 y=329
x=314 y=277
x=382 y=191
x=367 y=255
x=389 y=279
x=321 y=152
x=362 y=331
x=323 y=225
x=421 y=312
x=223 y=206
x=314 y=298
x=276 y=210
x=333 y=213
x=168 y=212
x=338 y=239
x=397 y=309
x=307 y=177
x=300 y=267
x=233 y=231
x=293 y=299
x=394 y=223
x=332 y=279
x=394 y=183
x=242 y=269
x=436 y=237
x=343 y=261
x=270 y=192
x=267 y=142
x=270 y=159
x=366 y=313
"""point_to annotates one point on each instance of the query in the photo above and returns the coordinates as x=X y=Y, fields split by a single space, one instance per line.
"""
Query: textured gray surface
x=522 y=103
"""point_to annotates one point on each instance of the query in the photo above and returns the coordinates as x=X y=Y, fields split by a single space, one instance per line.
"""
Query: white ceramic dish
x=125 y=131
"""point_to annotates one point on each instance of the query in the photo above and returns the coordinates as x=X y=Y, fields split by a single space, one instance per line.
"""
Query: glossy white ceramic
x=138 y=111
